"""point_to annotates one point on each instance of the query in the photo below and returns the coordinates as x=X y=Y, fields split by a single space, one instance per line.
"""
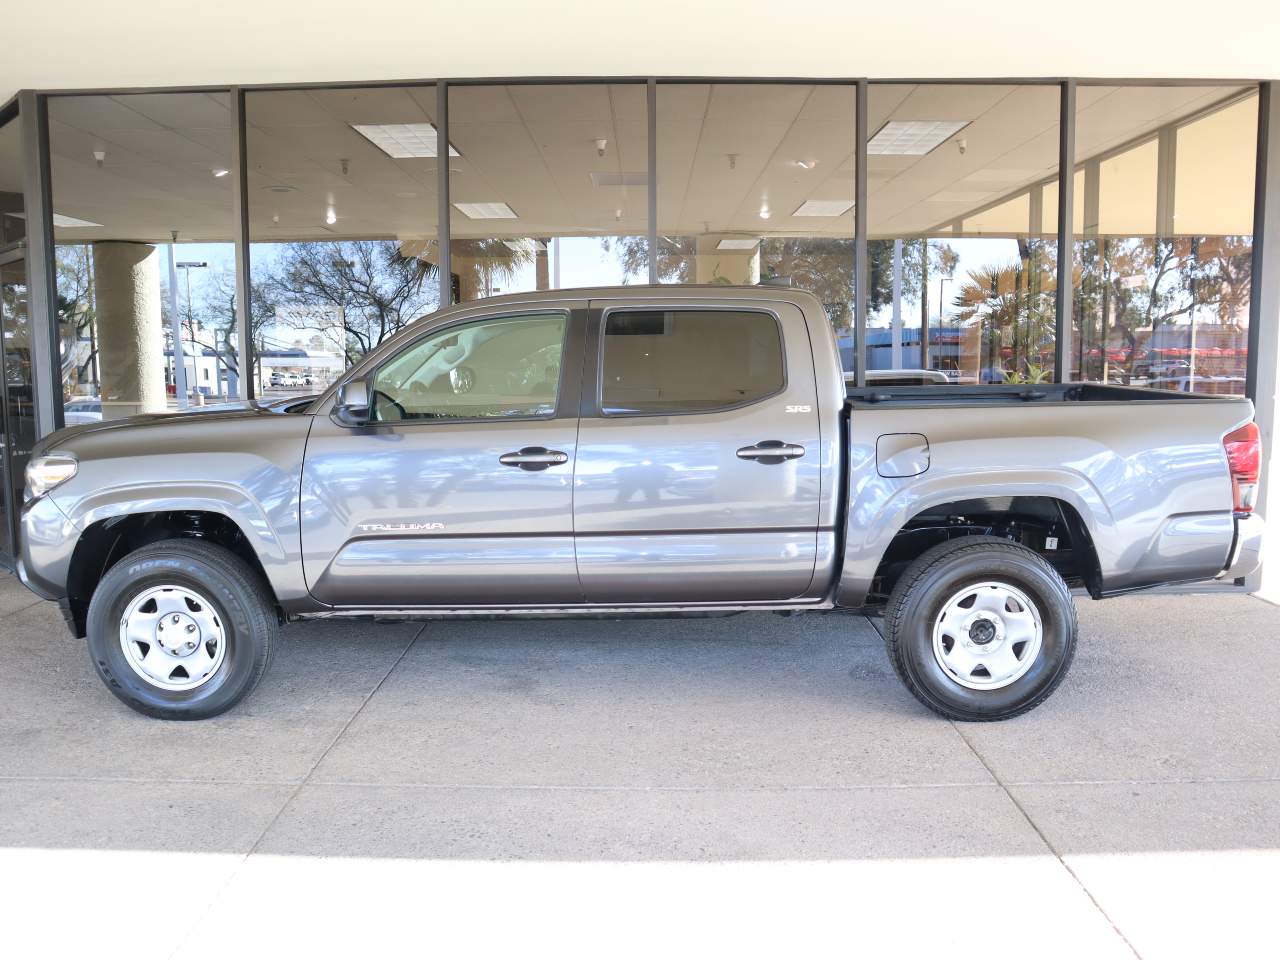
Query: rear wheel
x=980 y=629
x=181 y=629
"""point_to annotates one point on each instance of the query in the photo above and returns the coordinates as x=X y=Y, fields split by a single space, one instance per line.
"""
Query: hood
x=186 y=419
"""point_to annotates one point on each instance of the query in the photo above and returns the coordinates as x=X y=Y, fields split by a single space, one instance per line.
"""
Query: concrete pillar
x=725 y=266
x=126 y=280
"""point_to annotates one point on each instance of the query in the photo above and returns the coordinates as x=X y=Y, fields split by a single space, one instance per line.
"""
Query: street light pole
x=186 y=266
x=175 y=330
x=942 y=316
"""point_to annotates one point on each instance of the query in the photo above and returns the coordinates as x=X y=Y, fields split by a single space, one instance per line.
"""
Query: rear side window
x=689 y=361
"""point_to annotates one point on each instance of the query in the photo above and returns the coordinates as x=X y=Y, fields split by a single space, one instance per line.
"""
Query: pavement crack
x=1043 y=838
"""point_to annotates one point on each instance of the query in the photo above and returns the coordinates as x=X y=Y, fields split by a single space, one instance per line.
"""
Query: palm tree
x=1013 y=306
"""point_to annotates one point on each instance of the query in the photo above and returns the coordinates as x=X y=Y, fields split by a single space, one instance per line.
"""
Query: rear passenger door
x=698 y=465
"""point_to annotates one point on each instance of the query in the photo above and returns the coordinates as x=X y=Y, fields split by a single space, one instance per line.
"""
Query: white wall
x=79 y=43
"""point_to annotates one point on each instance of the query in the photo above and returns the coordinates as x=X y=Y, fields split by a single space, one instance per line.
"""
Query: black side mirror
x=351 y=409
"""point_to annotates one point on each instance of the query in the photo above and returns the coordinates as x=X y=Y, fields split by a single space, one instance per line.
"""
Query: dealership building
x=239 y=204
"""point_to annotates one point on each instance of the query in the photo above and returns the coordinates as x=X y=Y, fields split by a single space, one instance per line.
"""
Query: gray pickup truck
x=635 y=450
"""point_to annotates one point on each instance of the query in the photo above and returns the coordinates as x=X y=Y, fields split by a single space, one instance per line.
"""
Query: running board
x=581 y=611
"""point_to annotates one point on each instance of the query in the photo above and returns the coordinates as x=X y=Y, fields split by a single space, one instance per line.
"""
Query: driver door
x=459 y=491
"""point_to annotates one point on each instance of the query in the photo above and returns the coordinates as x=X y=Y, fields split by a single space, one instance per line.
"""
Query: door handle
x=771 y=451
x=534 y=458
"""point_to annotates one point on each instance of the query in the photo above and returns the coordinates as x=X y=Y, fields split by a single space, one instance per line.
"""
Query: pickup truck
x=626 y=451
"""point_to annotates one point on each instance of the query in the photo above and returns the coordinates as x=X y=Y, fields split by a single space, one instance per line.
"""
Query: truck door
x=698 y=464
x=459 y=491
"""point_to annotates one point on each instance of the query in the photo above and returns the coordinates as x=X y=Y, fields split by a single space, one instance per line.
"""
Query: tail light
x=1244 y=455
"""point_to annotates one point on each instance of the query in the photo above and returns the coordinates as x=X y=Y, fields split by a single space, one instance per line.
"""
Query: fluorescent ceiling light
x=487 y=211
x=59 y=219
x=823 y=208
x=912 y=138
x=402 y=141
x=737 y=243
x=62 y=220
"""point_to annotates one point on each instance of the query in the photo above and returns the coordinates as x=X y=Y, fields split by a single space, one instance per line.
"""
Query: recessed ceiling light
x=402 y=141
x=912 y=138
x=490 y=210
x=823 y=208
x=764 y=212
x=805 y=164
x=331 y=216
x=220 y=171
x=737 y=243
x=279 y=188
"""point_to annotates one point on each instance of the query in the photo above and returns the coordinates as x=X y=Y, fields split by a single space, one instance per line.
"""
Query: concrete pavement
x=752 y=785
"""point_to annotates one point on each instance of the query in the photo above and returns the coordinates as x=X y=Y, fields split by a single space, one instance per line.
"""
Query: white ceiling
x=725 y=152
x=90 y=44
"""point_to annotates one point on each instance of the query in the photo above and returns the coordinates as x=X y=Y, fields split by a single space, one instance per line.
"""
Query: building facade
x=166 y=247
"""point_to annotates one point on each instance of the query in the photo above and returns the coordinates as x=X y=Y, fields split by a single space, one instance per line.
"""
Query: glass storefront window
x=1163 y=244
x=342 y=226
x=756 y=184
x=549 y=187
x=142 y=219
x=962 y=183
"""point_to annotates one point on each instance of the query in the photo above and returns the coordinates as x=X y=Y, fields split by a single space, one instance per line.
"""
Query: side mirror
x=351 y=408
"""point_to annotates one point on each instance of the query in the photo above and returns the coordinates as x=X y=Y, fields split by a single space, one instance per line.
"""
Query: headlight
x=45 y=473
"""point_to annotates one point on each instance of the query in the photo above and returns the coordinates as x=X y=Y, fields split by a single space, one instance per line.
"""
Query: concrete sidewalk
x=753 y=785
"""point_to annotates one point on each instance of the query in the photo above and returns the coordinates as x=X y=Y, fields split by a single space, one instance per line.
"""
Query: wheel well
x=1033 y=522
x=105 y=543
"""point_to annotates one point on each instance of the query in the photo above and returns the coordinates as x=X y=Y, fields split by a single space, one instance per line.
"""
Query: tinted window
x=507 y=367
x=684 y=361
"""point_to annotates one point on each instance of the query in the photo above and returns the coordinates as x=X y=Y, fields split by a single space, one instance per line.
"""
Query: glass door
x=17 y=410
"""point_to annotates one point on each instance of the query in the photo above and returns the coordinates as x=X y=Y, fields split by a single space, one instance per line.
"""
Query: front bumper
x=1246 y=553
x=46 y=541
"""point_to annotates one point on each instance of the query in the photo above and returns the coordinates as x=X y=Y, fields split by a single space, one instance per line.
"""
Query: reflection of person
x=646 y=479
x=992 y=375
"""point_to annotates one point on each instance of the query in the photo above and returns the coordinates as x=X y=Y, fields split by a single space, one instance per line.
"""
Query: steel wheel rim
x=987 y=635
x=173 y=637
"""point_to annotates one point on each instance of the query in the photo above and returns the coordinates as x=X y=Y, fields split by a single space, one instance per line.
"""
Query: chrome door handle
x=534 y=458
x=771 y=451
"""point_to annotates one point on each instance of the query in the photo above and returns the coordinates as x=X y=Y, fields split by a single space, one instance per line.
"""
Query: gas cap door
x=902 y=454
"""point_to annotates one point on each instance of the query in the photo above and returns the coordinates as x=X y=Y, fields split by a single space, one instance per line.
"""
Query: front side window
x=503 y=367
x=689 y=361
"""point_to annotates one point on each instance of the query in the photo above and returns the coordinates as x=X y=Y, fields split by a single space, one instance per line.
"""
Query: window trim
x=600 y=326
x=565 y=344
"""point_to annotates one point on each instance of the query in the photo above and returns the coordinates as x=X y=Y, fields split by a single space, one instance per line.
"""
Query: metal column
x=240 y=231
x=42 y=291
x=860 y=236
x=1264 y=315
x=443 y=239
x=651 y=94
x=1063 y=305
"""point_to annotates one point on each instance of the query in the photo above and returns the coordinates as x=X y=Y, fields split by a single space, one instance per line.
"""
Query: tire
x=232 y=614
x=926 y=617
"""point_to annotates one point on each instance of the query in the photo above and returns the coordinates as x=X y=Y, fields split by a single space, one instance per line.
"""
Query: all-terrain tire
x=949 y=568
x=243 y=611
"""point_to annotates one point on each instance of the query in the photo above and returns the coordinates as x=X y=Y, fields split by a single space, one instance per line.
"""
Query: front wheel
x=181 y=629
x=979 y=628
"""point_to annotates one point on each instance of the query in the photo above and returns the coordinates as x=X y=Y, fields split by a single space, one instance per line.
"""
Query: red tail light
x=1244 y=456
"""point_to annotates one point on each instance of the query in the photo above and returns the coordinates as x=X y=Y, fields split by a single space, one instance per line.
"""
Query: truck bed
x=936 y=395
